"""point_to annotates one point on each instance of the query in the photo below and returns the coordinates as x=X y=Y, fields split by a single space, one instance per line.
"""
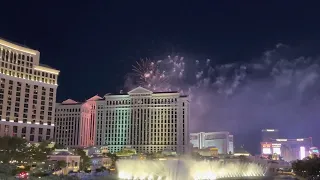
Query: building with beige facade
x=222 y=140
x=27 y=93
x=72 y=160
x=143 y=120
x=140 y=119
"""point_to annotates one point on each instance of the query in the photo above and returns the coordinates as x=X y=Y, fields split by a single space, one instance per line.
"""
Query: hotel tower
x=141 y=119
x=27 y=93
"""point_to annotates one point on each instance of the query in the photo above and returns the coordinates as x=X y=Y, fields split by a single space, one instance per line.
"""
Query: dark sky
x=94 y=43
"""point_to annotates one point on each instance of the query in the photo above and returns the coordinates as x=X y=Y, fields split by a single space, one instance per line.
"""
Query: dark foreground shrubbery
x=309 y=167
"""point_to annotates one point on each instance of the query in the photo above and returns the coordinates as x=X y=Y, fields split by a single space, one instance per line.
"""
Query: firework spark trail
x=159 y=75
x=236 y=94
x=169 y=74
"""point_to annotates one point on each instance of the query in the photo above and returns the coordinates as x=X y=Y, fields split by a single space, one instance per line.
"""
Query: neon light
x=299 y=139
x=266 y=145
x=277 y=151
x=266 y=151
x=281 y=140
x=302 y=152
x=270 y=130
x=276 y=144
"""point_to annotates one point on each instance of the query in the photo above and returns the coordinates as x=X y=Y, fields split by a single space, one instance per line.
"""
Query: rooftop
x=69 y=101
x=73 y=102
x=46 y=66
x=62 y=152
x=241 y=150
x=15 y=43
x=18 y=47
x=142 y=90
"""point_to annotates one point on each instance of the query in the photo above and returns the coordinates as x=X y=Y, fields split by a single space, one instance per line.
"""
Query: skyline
x=97 y=51
x=173 y=62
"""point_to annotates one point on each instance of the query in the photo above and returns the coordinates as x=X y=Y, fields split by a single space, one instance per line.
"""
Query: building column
x=51 y=132
x=28 y=129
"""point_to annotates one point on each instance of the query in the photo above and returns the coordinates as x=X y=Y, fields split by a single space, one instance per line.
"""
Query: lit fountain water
x=186 y=170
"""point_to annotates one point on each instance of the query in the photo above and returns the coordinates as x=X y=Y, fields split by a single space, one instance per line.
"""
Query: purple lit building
x=288 y=149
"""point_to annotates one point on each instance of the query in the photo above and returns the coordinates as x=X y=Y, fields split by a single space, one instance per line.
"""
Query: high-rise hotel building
x=222 y=140
x=27 y=93
x=76 y=122
x=145 y=120
x=141 y=119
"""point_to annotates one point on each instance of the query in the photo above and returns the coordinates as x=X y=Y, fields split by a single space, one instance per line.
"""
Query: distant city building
x=145 y=120
x=76 y=123
x=96 y=150
x=98 y=161
x=27 y=93
x=73 y=161
x=98 y=157
x=208 y=152
x=141 y=119
x=268 y=134
x=288 y=149
x=221 y=140
x=241 y=152
x=314 y=151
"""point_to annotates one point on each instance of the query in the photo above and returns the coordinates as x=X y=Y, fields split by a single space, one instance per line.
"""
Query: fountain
x=186 y=170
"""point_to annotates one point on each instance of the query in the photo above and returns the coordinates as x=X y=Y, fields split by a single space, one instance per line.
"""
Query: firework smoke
x=274 y=91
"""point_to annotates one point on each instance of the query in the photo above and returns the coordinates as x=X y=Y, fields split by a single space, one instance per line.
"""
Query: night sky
x=94 y=43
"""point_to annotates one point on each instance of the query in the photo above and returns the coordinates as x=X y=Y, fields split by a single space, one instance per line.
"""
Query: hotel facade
x=76 y=122
x=287 y=149
x=222 y=140
x=27 y=93
x=141 y=119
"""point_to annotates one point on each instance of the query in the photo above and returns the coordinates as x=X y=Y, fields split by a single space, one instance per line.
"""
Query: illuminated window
x=266 y=151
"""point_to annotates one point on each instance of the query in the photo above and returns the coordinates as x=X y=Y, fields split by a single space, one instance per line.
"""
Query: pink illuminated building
x=75 y=122
x=140 y=119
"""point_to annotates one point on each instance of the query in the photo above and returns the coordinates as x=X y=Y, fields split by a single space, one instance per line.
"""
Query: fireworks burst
x=270 y=89
x=169 y=74
x=158 y=75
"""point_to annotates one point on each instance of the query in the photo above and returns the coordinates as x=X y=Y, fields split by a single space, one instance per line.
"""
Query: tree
x=99 y=170
x=308 y=167
x=59 y=146
x=125 y=152
x=85 y=160
x=39 y=152
x=13 y=148
x=113 y=157
x=61 y=164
